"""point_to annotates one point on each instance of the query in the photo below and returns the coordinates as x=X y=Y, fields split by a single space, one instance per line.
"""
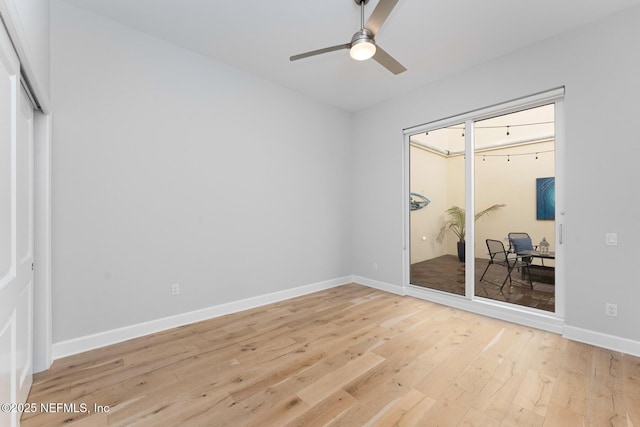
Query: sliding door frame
x=518 y=314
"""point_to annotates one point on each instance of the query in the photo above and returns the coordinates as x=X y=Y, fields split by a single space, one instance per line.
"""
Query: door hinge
x=32 y=266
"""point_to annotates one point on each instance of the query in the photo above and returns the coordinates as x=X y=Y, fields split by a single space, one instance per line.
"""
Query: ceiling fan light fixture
x=362 y=45
x=362 y=50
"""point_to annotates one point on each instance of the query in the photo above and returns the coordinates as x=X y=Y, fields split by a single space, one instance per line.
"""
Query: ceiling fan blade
x=320 y=51
x=387 y=61
x=379 y=15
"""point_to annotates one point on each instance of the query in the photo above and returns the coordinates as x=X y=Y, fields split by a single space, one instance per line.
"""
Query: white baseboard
x=101 y=339
x=611 y=342
x=382 y=286
x=523 y=316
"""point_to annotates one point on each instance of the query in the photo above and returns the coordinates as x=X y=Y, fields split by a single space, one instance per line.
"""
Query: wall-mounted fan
x=363 y=45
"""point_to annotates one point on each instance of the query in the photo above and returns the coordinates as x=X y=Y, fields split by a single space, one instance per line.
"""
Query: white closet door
x=16 y=235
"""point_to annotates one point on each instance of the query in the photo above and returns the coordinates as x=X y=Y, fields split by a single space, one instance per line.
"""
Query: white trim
x=382 y=286
x=599 y=339
x=406 y=211
x=522 y=103
x=470 y=203
x=560 y=173
x=101 y=339
x=42 y=322
x=511 y=313
x=521 y=316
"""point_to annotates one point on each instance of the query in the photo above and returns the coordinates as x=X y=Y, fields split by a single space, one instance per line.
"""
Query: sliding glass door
x=481 y=214
x=514 y=176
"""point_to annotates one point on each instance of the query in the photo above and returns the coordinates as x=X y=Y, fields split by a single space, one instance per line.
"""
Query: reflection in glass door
x=514 y=177
x=437 y=201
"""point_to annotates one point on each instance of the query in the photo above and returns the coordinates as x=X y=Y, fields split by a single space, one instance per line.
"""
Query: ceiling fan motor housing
x=362 y=36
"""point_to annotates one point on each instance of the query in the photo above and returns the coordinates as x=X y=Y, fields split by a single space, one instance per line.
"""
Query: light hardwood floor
x=349 y=356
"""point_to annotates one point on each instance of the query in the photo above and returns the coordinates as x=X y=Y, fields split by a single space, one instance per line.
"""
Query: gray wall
x=599 y=65
x=172 y=168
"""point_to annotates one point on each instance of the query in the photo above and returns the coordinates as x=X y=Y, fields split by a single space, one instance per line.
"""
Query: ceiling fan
x=363 y=45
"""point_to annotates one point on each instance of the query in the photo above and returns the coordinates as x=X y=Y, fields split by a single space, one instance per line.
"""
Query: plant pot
x=461 y=251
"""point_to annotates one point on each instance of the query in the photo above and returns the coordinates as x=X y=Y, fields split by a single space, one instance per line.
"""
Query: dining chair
x=500 y=257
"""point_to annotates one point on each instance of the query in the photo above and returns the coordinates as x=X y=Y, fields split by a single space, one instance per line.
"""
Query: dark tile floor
x=446 y=273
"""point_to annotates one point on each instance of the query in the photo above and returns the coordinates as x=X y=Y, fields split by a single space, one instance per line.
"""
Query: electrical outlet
x=175 y=289
x=612 y=310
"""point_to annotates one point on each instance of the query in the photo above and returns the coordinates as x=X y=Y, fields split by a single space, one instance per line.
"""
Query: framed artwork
x=546 y=198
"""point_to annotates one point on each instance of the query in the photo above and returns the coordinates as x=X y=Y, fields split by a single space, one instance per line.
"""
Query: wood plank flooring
x=349 y=356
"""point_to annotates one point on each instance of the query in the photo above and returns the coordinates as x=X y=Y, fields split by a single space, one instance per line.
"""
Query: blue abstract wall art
x=546 y=198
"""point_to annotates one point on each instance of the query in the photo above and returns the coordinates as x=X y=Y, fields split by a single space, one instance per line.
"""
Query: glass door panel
x=514 y=180
x=437 y=200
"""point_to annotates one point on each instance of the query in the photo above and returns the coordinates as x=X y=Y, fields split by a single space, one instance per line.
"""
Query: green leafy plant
x=456 y=222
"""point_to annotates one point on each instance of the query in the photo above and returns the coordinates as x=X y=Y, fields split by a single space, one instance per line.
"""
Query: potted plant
x=456 y=224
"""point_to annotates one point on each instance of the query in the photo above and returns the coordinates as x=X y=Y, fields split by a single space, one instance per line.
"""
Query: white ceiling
x=432 y=38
